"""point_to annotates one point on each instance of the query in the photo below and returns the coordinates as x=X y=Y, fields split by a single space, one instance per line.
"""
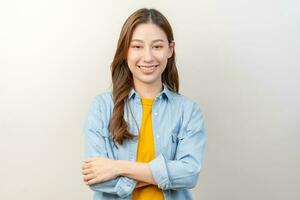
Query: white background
x=239 y=59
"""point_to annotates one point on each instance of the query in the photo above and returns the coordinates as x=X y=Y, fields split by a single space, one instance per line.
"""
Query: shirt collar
x=164 y=93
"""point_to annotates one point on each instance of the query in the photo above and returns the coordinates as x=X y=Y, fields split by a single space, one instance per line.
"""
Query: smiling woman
x=148 y=54
x=144 y=140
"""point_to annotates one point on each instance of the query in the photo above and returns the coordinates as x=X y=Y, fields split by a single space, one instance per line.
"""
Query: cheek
x=132 y=60
x=133 y=56
x=162 y=56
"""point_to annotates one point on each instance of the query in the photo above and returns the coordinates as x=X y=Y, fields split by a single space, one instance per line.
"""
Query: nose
x=148 y=56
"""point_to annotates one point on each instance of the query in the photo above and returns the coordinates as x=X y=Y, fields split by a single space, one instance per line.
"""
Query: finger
x=85 y=166
x=88 y=177
x=93 y=181
x=87 y=171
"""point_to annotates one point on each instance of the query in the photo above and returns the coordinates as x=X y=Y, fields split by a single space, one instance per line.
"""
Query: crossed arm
x=98 y=169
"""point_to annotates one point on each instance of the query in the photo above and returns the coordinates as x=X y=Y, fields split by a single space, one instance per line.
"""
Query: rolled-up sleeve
x=184 y=170
x=94 y=146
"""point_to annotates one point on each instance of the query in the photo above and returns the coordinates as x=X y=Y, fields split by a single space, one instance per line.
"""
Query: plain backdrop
x=239 y=59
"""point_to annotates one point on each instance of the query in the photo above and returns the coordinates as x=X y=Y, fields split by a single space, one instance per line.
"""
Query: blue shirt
x=179 y=138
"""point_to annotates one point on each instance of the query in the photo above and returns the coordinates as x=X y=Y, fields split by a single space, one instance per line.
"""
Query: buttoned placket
x=155 y=118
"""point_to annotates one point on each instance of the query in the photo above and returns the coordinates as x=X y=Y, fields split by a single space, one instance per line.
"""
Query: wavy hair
x=122 y=80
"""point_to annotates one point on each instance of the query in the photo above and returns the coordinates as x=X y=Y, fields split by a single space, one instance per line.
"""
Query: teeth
x=148 y=69
x=148 y=66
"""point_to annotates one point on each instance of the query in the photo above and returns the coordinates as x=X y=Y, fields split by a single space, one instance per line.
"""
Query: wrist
x=121 y=166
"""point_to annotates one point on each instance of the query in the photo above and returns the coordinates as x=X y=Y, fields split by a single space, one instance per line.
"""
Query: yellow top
x=146 y=153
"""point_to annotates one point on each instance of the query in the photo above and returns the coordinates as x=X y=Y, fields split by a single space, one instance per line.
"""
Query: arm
x=136 y=170
x=95 y=146
x=183 y=171
x=141 y=184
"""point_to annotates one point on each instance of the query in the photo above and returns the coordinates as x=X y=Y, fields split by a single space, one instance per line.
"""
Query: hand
x=98 y=169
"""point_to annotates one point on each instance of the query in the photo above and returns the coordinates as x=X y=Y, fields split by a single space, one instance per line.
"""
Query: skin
x=149 y=47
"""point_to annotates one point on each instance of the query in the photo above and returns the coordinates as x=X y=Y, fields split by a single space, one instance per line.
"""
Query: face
x=148 y=54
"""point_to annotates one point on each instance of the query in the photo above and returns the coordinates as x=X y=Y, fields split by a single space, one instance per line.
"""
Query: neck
x=149 y=91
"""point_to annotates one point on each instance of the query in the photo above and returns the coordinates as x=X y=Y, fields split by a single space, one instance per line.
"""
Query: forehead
x=148 y=32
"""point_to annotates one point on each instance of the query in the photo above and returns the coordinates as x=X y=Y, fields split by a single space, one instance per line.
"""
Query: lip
x=147 y=69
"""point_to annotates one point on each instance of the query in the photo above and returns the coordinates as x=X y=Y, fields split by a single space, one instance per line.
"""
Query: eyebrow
x=157 y=40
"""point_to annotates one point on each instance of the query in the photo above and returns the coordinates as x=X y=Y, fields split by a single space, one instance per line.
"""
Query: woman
x=143 y=140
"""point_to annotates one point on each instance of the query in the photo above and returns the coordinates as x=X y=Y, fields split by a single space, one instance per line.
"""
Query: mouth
x=148 y=69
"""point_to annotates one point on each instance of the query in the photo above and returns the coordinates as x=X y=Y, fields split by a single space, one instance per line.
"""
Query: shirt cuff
x=125 y=186
x=159 y=171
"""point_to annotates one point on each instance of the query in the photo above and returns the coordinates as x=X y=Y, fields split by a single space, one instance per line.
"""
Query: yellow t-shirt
x=146 y=153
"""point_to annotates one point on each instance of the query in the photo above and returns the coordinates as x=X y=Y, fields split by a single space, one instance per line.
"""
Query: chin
x=148 y=81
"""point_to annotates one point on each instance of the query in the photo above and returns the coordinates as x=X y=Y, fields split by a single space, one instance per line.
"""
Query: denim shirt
x=179 y=138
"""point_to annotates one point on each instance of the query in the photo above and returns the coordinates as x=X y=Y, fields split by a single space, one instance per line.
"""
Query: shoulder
x=191 y=114
x=186 y=103
x=102 y=106
x=103 y=100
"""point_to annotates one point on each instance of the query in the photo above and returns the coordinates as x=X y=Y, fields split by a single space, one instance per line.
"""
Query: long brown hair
x=122 y=81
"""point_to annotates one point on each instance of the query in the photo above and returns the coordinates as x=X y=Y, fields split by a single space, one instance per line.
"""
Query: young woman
x=143 y=140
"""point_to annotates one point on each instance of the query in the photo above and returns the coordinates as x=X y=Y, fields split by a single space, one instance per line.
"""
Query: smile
x=148 y=69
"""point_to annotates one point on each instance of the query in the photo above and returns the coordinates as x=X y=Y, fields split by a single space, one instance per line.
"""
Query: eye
x=158 y=47
x=136 y=46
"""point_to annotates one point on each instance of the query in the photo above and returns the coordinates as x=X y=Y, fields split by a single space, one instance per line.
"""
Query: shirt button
x=157 y=136
x=155 y=113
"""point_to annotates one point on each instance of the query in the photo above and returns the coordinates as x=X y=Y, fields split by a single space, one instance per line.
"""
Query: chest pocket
x=170 y=148
x=111 y=149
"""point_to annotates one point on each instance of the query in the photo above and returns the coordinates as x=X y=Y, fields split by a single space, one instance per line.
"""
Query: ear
x=171 y=49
